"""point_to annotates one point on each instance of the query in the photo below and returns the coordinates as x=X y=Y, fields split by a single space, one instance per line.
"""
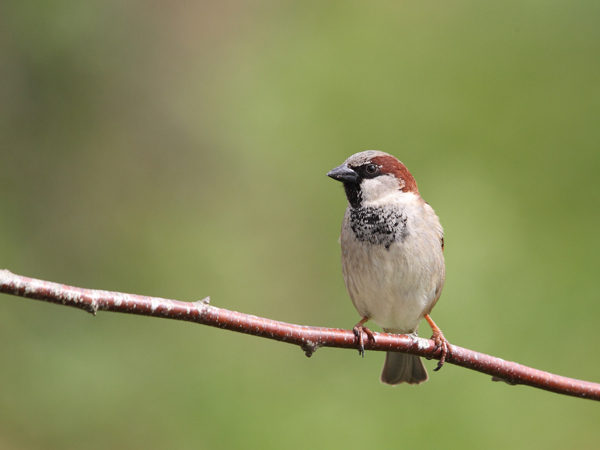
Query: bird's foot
x=441 y=343
x=358 y=332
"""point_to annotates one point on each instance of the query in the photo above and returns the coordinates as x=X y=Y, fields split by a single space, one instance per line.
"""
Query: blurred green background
x=180 y=150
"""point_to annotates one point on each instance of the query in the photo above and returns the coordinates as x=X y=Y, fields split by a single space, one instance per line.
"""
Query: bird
x=392 y=257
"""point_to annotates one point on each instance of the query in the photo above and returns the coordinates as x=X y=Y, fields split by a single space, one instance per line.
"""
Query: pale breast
x=393 y=263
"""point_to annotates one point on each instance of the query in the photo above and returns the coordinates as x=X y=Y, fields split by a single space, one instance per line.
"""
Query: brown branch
x=308 y=338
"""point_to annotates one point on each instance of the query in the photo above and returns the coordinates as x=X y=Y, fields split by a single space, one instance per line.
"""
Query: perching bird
x=392 y=256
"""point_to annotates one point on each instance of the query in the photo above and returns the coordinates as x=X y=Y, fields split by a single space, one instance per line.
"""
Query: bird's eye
x=371 y=169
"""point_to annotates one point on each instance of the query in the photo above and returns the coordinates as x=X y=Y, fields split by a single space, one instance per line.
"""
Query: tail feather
x=403 y=368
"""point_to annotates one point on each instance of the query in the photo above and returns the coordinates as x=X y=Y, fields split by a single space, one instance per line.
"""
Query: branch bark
x=308 y=338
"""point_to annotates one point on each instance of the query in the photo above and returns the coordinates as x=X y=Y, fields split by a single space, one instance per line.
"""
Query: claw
x=370 y=334
x=441 y=343
x=357 y=330
x=361 y=345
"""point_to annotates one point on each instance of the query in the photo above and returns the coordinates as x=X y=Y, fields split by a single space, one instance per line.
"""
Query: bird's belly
x=390 y=286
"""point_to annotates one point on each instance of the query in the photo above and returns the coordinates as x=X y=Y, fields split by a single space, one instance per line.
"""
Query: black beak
x=344 y=174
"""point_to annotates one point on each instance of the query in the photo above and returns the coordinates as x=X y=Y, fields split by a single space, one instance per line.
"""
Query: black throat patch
x=353 y=194
x=378 y=226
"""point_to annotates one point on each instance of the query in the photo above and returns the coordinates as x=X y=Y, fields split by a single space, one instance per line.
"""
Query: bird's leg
x=440 y=342
x=358 y=329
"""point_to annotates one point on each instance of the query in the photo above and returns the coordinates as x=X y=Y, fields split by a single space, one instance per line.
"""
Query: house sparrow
x=392 y=256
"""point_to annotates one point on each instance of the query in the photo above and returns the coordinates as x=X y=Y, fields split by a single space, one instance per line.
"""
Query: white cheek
x=376 y=188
